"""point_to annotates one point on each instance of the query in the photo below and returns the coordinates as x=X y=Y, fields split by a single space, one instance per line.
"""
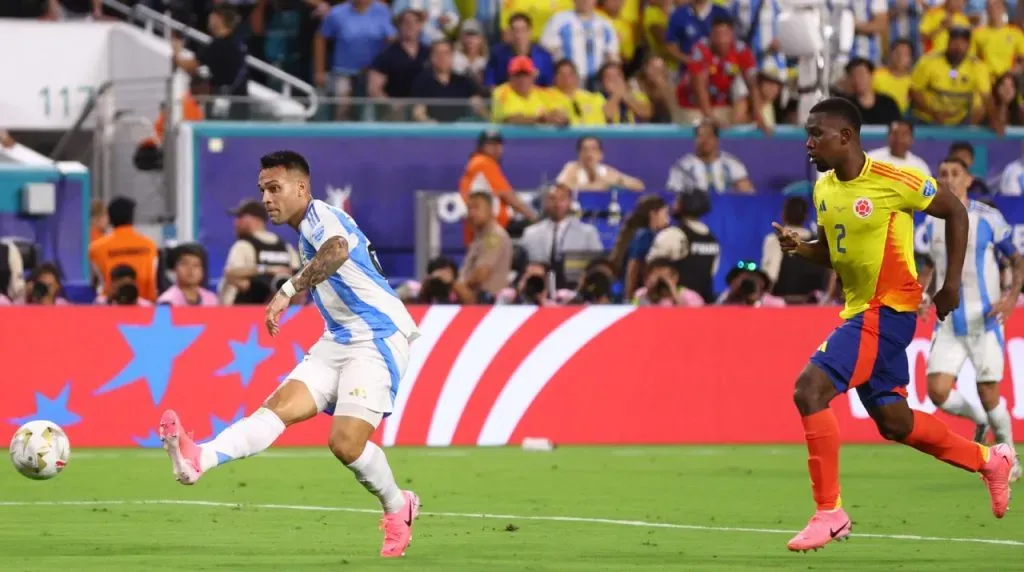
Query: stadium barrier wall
x=477 y=376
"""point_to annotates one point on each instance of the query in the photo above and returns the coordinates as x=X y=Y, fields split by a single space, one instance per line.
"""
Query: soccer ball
x=40 y=450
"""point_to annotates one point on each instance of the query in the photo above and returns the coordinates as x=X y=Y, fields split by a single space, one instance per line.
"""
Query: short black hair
x=794 y=211
x=722 y=20
x=857 y=62
x=599 y=262
x=707 y=122
x=440 y=263
x=227 y=14
x=520 y=16
x=45 y=268
x=189 y=249
x=903 y=122
x=565 y=62
x=122 y=271
x=605 y=67
x=662 y=262
x=584 y=139
x=121 y=211
x=962 y=146
x=440 y=41
x=290 y=160
x=901 y=41
x=957 y=160
x=841 y=108
x=485 y=195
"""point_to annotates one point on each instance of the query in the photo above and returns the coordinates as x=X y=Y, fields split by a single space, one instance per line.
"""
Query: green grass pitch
x=574 y=509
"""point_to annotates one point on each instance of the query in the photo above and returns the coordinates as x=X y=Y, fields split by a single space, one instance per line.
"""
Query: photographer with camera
x=748 y=286
x=437 y=286
x=124 y=289
x=661 y=287
x=598 y=285
x=534 y=288
x=691 y=245
x=44 y=287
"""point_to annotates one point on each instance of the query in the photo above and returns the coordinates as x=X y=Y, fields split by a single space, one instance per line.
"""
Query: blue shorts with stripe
x=869 y=352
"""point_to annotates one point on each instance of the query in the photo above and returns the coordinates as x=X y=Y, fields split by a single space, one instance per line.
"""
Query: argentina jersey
x=866 y=46
x=587 y=42
x=980 y=285
x=357 y=303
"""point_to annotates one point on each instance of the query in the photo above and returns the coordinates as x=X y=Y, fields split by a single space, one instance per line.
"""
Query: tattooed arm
x=328 y=260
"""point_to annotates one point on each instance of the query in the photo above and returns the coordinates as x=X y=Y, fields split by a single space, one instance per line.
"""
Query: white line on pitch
x=576 y=519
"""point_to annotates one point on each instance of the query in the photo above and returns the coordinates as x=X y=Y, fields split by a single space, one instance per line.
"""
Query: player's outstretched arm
x=328 y=259
x=946 y=206
x=814 y=250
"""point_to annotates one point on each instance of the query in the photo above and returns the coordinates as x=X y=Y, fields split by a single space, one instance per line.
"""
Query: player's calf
x=813 y=391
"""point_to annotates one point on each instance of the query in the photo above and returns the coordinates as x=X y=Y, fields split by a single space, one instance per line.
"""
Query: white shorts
x=949 y=352
x=347 y=379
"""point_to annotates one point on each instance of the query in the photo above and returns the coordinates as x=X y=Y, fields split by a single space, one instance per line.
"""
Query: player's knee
x=345 y=446
x=938 y=393
x=988 y=393
x=810 y=394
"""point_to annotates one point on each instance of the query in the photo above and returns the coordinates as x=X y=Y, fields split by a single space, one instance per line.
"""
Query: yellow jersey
x=582 y=107
x=931 y=23
x=998 y=47
x=655 y=26
x=539 y=11
x=955 y=91
x=505 y=102
x=869 y=224
x=624 y=114
x=895 y=86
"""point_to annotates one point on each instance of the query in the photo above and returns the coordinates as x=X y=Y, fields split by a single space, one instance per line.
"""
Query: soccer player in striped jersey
x=866 y=233
x=975 y=328
x=352 y=372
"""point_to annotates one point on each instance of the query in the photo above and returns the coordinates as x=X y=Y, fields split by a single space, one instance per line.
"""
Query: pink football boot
x=182 y=450
x=824 y=527
x=398 y=527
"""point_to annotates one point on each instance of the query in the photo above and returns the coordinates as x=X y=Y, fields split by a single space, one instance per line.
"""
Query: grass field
x=629 y=509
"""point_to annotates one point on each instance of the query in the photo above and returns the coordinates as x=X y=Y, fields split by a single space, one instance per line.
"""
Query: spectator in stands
x=1000 y=45
x=98 y=220
x=871 y=17
x=625 y=104
x=394 y=70
x=189 y=276
x=537 y=13
x=520 y=43
x=904 y=26
x=584 y=37
x=589 y=173
x=471 y=52
x=256 y=260
x=440 y=82
x=624 y=27
x=598 y=285
x=532 y=288
x=688 y=24
x=937 y=23
x=755 y=25
x=875 y=108
x=577 y=106
x=964 y=151
x=360 y=30
x=520 y=101
x=655 y=29
x=708 y=169
x=794 y=279
x=12 y=271
x=74 y=9
x=6 y=141
x=952 y=88
x=662 y=288
x=893 y=79
x=748 y=285
x=124 y=289
x=437 y=286
x=441 y=18
x=483 y=173
x=485 y=270
x=629 y=254
x=769 y=83
x=44 y=286
x=691 y=246
x=125 y=246
x=149 y=155
x=897 y=150
x=1006 y=101
x=549 y=239
x=224 y=57
x=652 y=80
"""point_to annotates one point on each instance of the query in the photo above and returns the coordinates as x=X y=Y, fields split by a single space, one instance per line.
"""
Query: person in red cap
x=519 y=101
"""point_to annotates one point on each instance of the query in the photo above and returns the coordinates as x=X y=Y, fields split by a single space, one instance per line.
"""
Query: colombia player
x=865 y=232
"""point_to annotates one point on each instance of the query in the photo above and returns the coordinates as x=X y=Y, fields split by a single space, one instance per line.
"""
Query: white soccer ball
x=40 y=450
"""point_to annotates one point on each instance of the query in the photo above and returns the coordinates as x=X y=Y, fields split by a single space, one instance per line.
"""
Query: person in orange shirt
x=483 y=173
x=125 y=246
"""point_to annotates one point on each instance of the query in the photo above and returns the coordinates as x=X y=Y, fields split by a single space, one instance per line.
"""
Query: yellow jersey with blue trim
x=869 y=225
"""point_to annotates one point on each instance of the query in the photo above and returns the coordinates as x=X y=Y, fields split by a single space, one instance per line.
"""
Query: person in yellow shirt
x=581 y=107
x=999 y=44
x=625 y=29
x=625 y=105
x=519 y=101
x=936 y=23
x=951 y=87
x=539 y=11
x=655 y=23
x=894 y=78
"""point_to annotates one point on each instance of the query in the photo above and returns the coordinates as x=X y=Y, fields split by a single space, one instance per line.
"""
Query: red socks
x=821 y=430
x=933 y=437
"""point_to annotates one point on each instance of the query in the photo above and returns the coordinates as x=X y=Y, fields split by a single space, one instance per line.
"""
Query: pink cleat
x=397 y=527
x=996 y=473
x=824 y=527
x=181 y=448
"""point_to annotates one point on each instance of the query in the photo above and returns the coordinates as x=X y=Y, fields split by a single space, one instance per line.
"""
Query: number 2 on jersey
x=840 y=235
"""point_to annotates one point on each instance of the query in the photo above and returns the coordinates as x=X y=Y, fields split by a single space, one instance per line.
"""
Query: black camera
x=39 y=292
x=533 y=288
x=662 y=290
x=126 y=294
x=748 y=286
x=435 y=291
x=597 y=286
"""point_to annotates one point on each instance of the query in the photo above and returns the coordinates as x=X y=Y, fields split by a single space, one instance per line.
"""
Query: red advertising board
x=479 y=375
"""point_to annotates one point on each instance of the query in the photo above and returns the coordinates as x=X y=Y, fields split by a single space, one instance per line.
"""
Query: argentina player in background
x=352 y=372
x=974 y=331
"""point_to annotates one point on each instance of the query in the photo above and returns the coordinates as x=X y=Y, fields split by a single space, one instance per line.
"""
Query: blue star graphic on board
x=288 y=314
x=248 y=355
x=155 y=347
x=219 y=424
x=150 y=441
x=299 y=354
x=55 y=410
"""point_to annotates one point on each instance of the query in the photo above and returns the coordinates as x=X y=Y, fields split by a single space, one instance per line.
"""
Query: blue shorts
x=869 y=352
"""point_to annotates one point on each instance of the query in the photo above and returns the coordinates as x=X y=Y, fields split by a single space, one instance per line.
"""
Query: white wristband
x=288 y=289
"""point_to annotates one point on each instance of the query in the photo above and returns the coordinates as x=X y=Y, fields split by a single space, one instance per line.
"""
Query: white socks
x=1001 y=423
x=957 y=405
x=243 y=438
x=373 y=471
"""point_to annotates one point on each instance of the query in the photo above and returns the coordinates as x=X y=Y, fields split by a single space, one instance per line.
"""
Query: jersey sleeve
x=916 y=190
x=1002 y=235
x=321 y=225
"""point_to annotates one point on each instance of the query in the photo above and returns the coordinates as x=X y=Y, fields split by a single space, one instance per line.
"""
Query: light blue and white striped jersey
x=980 y=284
x=588 y=42
x=865 y=46
x=743 y=12
x=357 y=302
x=905 y=21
